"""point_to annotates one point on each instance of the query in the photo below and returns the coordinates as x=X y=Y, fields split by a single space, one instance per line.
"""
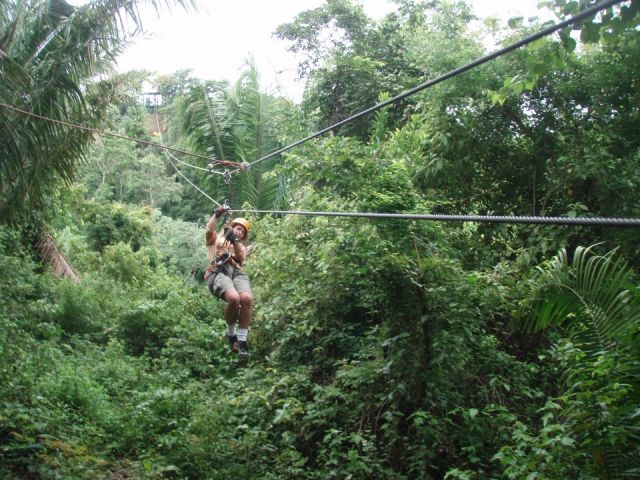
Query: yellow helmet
x=243 y=222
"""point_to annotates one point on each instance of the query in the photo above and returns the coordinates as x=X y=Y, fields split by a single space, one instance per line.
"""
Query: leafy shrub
x=182 y=247
x=124 y=265
x=76 y=309
x=110 y=224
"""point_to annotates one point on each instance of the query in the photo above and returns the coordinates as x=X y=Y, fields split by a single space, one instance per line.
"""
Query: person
x=226 y=280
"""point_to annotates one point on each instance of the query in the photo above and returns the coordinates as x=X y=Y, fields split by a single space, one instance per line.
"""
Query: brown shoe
x=233 y=343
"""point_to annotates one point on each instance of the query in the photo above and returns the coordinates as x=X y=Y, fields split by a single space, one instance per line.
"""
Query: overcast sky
x=215 y=42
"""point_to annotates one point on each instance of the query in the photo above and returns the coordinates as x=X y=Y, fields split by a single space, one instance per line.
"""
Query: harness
x=221 y=260
x=218 y=264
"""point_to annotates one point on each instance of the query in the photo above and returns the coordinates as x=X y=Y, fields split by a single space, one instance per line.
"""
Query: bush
x=110 y=224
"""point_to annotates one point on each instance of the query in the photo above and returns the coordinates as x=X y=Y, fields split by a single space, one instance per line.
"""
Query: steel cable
x=116 y=135
x=169 y=156
x=580 y=221
x=531 y=38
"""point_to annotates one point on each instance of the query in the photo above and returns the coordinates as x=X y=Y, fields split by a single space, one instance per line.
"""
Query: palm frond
x=588 y=296
x=592 y=299
x=234 y=124
x=51 y=53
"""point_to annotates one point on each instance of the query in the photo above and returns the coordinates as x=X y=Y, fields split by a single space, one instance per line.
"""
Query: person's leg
x=231 y=307
x=246 y=309
x=232 y=298
x=243 y=287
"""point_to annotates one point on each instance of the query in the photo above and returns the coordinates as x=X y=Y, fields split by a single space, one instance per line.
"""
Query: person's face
x=239 y=231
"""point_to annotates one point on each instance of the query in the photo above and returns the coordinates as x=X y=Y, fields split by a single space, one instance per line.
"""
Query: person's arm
x=210 y=234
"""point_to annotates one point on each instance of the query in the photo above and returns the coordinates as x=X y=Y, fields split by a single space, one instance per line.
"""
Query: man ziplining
x=226 y=279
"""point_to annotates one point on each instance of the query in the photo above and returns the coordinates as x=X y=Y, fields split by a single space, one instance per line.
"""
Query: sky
x=215 y=42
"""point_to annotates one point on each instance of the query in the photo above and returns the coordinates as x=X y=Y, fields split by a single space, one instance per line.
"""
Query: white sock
x=242 y=334
x=231 y=330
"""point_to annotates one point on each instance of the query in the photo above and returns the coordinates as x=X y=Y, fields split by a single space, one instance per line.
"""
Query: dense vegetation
x=379 y=348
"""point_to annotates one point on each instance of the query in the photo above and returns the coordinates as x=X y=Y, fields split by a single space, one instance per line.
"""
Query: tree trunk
x=50 y=254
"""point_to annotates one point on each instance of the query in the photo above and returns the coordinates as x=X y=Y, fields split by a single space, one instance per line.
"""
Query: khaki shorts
x=222 y=281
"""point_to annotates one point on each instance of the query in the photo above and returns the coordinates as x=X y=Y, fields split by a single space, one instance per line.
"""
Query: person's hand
x=230 y=235
x=221 y=210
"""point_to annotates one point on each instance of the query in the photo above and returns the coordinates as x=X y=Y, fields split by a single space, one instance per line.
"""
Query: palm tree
x=50 y=55
x=595 y=302
x=235 y=123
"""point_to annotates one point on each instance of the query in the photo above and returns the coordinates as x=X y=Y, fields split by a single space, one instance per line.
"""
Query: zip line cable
x=117 y=135
x=580 y=221
x=169 y=156
x=190 y=182
x=208 y=170
x=245 y=166
x=531 y=38
x=577 y=221
x=196 y=167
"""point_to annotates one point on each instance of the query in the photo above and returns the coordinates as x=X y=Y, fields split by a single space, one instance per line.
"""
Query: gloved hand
x=230 y=235
x=218 y=212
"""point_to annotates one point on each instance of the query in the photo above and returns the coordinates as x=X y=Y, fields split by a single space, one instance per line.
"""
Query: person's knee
x=232 y=298
x=246 y=299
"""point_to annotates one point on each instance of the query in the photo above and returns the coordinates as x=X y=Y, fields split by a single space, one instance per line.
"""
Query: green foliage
x=236 y=123
x=109 y=224
x=552 y=453
x=345 y=85
x=591 y=295
x=350 y=59
x=592 y=298
x=396 y=338
x=380 y=349
x=380 y=183
x=347 y=20
x=146 y=328
x=120 y=170
x=38 y=37
x=75 y=308
x=541 y=150
x=604 y=27
x=181 y=245
x=124 y=265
